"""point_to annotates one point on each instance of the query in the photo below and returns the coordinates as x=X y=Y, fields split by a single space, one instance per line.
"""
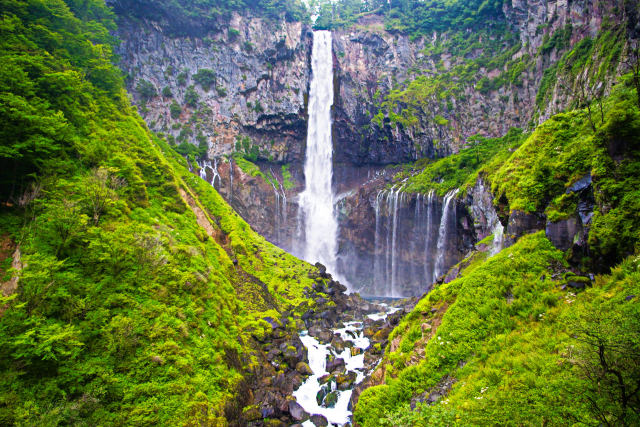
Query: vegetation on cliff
x=533 y=175
x=140 y=292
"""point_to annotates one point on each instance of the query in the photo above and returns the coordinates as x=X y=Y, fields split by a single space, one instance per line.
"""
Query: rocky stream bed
x=312 y=377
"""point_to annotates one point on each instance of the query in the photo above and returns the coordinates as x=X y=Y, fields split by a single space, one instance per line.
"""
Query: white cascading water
x=443 y=233
x=317 y=199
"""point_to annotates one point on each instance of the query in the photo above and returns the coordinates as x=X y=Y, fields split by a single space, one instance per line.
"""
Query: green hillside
x=139 y=288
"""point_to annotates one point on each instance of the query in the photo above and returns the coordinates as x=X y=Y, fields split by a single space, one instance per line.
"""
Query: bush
x=191 y=97
x=146 y=90
x=175 y=110
x=205 y=78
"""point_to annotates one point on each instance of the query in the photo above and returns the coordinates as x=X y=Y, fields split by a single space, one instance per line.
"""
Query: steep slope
x=510 y=343
x=141 y=296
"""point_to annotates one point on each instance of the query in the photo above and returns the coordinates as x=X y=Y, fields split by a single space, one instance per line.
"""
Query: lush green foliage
x=140 y=289
x=533 y=175
x=515 y=344
x=564 y=149
x=461 y=170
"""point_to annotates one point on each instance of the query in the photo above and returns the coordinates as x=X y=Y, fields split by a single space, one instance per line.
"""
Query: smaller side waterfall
x=280 y=217
x=448 y=212
x=428 y=235
x=205 y=167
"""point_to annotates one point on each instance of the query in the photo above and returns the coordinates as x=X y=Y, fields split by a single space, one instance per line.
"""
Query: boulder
x=345 y=381
x=335 y=364
x=303 y=368
x=319 y=420
x=297 y=412
x=331 y=399
x=322 y=334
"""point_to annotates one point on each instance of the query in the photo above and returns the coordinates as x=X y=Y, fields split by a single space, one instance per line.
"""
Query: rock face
x=397 y=244
x=370 y=62
x=250 y=78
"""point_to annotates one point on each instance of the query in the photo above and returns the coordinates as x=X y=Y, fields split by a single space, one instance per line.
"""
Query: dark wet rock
x=345 y=381
x=435 y=393
x=563 y=233
x=521 y=223
x=321 y=268
x=335 y=364
x=580 y=185
x=297 y=412
x=338 y=343
x=319 y=420
x=331 y=399
x=576 y=285
x=322 y=334
x=303 y=368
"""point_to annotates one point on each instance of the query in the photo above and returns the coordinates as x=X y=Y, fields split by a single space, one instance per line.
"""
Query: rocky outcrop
x=248 y=78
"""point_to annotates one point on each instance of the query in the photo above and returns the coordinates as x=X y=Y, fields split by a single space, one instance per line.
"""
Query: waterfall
x=377 y=248
x=498 y=238
x=428 y=236
x=280 y=217
x=206 y=164
x=230 y=189
x=394 y=242
x=443 y=235
x=317 y=199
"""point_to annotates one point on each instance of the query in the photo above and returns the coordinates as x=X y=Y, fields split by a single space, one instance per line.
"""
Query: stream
x=329 y=394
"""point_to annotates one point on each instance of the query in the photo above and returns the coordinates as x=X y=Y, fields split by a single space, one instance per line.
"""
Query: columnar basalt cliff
x=396 y=243
x=246 y=78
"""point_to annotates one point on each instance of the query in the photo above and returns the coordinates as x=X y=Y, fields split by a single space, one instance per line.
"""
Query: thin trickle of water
x=206 y=164
x=230 y=179
x=378 y=250
x=317 y=199
x=443 y=235
x=280 y=217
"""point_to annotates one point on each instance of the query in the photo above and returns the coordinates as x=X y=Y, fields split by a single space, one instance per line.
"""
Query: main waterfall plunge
x=376 y=240
x=317 y=218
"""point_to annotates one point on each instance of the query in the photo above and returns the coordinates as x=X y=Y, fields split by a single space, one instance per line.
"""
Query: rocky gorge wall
x=253 y=105
x=250 y=78
x=496 y=96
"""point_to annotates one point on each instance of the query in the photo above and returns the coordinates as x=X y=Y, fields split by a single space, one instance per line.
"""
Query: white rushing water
x=317 y=199
x=448 y=211
x=306 y=395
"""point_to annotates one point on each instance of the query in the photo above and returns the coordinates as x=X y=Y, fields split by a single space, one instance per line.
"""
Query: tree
x=608 y=355
x=146 y=90
x=632 y=61
x=100 y=191
x=205 y=78
x=191 y=97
